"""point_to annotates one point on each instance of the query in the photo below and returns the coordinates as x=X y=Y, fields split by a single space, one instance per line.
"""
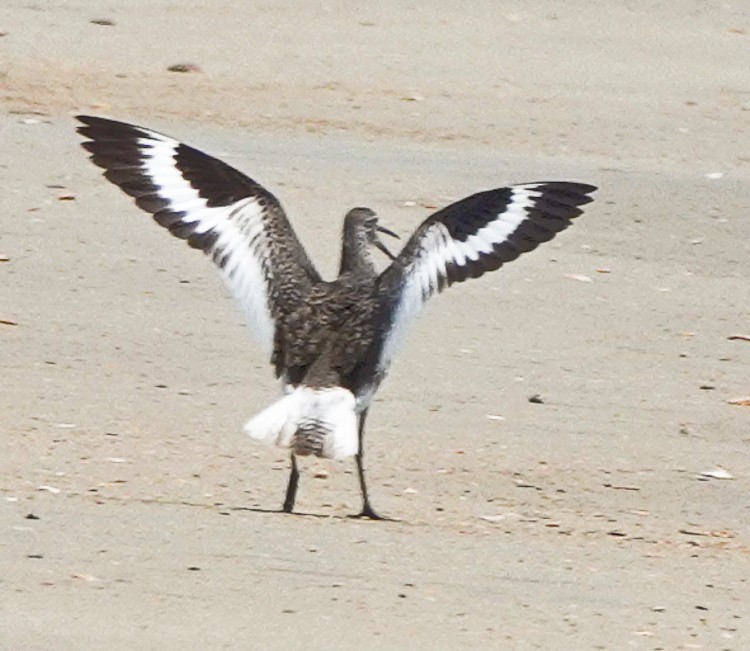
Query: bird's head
x=362 y=223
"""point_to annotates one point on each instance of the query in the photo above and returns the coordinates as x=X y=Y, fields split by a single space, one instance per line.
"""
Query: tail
x=310 y=421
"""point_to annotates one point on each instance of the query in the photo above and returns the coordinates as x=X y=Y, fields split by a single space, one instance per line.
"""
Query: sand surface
x=133 y=512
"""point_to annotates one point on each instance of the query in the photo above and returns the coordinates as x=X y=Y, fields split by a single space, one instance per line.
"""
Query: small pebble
x=184 y=67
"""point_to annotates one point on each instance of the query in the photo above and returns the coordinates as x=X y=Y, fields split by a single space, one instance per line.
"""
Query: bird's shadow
x=307 y=514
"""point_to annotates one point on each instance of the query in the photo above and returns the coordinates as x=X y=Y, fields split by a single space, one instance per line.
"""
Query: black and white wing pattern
x=470 y=237
x=216 y=209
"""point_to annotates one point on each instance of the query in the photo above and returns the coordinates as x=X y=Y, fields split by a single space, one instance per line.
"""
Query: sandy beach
x=610 y=512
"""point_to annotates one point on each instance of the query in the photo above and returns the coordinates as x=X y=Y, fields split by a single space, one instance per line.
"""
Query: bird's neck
x=356 y=255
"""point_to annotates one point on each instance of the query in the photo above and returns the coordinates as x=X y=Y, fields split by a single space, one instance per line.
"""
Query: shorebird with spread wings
x=331 y=343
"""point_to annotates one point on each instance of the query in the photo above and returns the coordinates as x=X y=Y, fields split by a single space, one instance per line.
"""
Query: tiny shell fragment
x=581 y=278
x=716 y=473
x=84 y=577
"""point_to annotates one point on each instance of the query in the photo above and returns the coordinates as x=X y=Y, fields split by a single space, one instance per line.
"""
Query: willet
x=331 y=343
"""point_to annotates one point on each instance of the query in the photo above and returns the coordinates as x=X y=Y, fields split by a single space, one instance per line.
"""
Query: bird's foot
x=368 y=512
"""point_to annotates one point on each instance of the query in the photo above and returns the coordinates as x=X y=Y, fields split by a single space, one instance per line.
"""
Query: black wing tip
x=576 y=186
x=89 y=122
x=87 y=119
x=98 y=121
x=573 y=189
x=104 y=129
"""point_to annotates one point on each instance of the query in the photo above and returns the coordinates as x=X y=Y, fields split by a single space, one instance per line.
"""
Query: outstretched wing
x=216 y=209
x=467 y=239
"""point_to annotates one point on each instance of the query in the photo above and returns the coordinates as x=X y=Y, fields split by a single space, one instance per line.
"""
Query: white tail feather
x=328 y=411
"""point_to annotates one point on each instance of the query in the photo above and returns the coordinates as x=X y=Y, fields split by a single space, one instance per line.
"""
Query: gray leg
x=291 y=489
x=367 y=510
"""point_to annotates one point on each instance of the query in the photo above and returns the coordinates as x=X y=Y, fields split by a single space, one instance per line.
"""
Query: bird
x=330 y=342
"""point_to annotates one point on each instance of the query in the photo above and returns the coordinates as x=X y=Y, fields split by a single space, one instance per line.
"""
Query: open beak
x=379 y=242
x=387 y=231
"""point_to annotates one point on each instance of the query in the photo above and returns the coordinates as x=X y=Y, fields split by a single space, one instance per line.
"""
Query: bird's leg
x=367 y=510
x=291 y=489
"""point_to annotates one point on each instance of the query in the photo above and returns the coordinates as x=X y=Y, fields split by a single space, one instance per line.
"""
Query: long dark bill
x=379 y=242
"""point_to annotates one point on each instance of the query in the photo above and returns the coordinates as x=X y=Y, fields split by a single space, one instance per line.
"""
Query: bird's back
x=325 y=340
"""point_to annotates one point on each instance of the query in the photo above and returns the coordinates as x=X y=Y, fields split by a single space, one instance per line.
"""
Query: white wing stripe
x=244 y=274
x=413 y=295
x=181 y=199
x=483 y=241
